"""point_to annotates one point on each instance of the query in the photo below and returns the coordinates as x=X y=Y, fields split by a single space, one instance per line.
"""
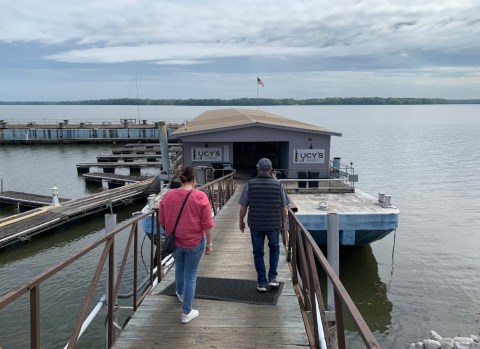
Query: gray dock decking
x=156 y=324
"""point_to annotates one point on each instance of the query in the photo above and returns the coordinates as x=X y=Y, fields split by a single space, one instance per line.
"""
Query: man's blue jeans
x=187 y=261
x=258 y=241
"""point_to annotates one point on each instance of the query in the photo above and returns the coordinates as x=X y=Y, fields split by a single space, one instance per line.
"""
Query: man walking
x=266 y=202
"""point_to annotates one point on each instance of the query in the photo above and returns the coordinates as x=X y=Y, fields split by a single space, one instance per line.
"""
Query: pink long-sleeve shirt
x=195 y=219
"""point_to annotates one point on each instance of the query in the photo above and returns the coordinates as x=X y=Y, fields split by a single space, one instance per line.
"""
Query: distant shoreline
x=256 y=102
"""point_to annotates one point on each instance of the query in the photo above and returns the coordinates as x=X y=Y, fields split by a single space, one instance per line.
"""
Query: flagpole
x=257 y=93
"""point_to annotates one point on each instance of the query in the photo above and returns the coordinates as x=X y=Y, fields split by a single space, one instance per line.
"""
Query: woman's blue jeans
x=258 y=241
x=187 y=261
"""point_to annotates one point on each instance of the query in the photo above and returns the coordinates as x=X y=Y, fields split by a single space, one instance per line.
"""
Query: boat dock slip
x=148 y=145
x=127 y=130
x=22 y=226
x=128 y=157
x=221 y=324
x=134 y=167
x=136 y=150
x=142 y=148
x=112 y=178
x=26 y=199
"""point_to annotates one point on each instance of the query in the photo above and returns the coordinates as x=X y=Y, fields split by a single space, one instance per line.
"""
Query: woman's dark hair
x=188 y=174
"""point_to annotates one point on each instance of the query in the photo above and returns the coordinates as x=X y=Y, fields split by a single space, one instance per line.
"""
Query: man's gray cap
x=264 y=164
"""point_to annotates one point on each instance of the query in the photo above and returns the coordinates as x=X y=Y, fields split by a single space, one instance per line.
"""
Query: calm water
x=425 y=276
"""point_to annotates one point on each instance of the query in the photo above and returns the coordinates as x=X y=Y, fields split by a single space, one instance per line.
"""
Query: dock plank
x=220 y=324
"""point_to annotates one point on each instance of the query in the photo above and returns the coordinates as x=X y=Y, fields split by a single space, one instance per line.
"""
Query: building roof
x=233 y=118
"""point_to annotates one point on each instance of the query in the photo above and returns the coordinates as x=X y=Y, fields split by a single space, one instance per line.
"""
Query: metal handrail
x=218 y=191
x=303 y=254
x=335 y=170
x=114 y=281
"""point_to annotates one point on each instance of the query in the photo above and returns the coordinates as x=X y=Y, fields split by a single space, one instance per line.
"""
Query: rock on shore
x=438 y=342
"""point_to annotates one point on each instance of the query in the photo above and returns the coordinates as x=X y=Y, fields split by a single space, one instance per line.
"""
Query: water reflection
x=62 y=295
x=359 y=275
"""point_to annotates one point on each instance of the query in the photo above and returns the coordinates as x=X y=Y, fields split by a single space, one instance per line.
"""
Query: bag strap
x=180 y=213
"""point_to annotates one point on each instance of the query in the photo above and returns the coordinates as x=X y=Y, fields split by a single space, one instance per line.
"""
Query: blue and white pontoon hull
x=362 y=218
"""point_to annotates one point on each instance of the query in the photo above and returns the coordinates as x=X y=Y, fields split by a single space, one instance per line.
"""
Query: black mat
x=231 y=290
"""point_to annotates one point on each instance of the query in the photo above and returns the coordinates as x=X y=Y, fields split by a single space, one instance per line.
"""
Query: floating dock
x=113 y=180
x=22 y=227
x=26 y=199
x=128 y=157
x=126 y=130
x=134 y=167
x=145 y=148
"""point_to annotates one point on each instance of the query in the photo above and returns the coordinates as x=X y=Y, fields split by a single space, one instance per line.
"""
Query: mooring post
x=151 y=201
x=55 y=200
x=110 y=225
x=332 y=254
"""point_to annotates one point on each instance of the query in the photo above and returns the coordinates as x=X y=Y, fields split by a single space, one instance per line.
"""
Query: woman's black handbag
x=168 y=245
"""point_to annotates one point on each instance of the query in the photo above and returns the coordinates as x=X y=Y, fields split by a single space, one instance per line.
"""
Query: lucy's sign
x=309 y=156
x=207 y=154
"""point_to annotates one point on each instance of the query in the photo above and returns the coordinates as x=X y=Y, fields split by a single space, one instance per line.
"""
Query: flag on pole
x=259 y=82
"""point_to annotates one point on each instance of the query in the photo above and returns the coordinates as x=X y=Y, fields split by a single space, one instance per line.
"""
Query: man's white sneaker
x=273 y=283
x=190 y=316
x=261 y=287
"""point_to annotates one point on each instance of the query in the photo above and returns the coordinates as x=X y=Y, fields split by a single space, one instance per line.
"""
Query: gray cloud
x=272 y=37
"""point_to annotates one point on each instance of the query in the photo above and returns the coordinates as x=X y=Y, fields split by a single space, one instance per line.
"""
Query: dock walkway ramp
x=221 y=324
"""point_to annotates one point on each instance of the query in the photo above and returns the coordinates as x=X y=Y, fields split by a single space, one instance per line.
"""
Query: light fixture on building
x=311 y=144
x=206 y=145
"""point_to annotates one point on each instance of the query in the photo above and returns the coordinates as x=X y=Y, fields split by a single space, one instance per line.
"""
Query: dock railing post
x=332 y=254
x=110 y=224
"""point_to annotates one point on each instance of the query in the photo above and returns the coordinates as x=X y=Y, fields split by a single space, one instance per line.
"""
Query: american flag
x=259 y=82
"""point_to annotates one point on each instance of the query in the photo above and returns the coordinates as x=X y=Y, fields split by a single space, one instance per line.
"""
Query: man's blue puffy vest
x=264 y=203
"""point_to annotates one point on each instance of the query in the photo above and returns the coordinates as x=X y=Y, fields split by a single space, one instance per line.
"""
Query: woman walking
x=192 y=235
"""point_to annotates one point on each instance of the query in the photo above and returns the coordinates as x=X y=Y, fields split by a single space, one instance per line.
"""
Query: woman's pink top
x=195 y=219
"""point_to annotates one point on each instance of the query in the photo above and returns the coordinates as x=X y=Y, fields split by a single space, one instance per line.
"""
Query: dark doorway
x=246 y=155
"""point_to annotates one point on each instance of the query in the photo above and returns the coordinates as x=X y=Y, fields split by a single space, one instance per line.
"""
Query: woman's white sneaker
x=190 y=316
x=180 y=297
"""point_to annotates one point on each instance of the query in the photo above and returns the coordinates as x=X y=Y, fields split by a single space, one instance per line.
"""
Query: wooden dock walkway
x=220 y=324
x=22 y=227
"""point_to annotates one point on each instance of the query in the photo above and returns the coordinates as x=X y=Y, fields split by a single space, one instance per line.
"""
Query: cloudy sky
x=72 y=50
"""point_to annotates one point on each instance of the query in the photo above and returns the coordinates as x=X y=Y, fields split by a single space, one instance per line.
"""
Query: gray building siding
x=290 y=140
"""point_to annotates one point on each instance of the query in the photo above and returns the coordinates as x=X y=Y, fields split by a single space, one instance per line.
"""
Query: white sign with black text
x=207 y=154
x=309 y=156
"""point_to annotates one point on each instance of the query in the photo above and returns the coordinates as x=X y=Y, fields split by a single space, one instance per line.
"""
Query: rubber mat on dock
x=231 y=290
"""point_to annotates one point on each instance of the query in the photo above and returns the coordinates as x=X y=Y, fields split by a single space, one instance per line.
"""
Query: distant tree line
x=258 y=102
